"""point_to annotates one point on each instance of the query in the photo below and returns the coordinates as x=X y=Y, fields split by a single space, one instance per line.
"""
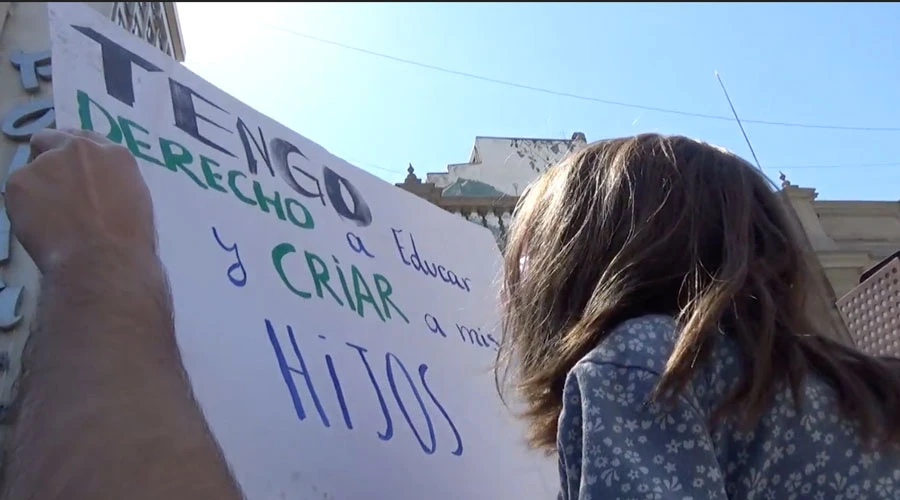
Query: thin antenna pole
x=743 y=132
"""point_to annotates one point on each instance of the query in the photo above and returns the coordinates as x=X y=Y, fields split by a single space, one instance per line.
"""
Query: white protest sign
x=338 y=331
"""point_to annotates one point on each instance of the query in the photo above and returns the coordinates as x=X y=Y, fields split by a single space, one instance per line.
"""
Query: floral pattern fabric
x=615 y=444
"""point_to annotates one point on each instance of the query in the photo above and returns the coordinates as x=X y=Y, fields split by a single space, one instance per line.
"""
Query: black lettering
x=186 y=114
x=247 y=136
x=281 y=151
x=117 y=62
x=361 y=214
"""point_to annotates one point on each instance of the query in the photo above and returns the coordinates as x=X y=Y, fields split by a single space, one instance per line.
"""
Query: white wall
x=507 y=164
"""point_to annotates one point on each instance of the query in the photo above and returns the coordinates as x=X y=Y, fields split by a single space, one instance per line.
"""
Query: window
x=146 y=20
x=163 y=39
x=122 y=20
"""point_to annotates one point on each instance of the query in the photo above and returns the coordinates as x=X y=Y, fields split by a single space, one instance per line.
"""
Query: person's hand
x=80 y=193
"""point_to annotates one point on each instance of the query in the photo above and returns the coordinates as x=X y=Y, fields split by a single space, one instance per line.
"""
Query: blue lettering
x=399 y=246
x=287 y=370
x=393 y=367
x=337 y=388
x=388 y=358
x=459 y=444
x=389 y=430
x=471 y=335
x=358 y=247
x=237 y=266
x=432 y=323
x=414 y=260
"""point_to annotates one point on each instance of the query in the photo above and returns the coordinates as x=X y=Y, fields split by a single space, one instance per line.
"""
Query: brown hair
x=670 y=225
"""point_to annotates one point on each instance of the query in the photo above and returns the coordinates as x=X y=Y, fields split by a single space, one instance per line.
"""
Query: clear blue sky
x=828 y=64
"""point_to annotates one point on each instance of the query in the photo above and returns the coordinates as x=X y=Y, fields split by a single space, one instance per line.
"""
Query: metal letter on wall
x=31 y=65
x=18 y=124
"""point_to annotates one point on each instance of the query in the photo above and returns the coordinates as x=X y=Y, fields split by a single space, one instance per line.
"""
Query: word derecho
x=275 y=154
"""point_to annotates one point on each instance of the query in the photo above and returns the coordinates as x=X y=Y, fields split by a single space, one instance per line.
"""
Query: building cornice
x=857 y=208
x=174 y=23
x=837 y=259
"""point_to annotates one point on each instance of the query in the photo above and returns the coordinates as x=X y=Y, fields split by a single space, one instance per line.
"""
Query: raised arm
x=105 y=409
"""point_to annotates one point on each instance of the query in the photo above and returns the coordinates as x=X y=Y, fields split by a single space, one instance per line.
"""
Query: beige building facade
x=846 y=237
x=26 y=106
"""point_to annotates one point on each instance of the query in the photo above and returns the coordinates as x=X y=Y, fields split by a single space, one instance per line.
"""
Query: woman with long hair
x=656 y=325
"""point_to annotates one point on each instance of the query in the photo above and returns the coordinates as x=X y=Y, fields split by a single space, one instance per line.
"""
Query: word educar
x=410 y=257
x=395 y=372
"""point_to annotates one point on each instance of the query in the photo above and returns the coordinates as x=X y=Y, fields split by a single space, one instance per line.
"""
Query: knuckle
x=16 y=186
x=41 y=134
x=120 y=153
x=80 y=141
x=90 y=135
x=109 y=151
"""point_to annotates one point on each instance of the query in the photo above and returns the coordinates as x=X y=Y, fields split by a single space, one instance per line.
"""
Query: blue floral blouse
x=613 y=444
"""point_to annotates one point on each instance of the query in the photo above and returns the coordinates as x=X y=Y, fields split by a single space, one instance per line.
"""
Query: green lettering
x=87 y=122
x=359 y=283
x=178 y=160
x=307 y=217
x=265 y=203
x=343 y=280
x=232 y=183
x=212 y=178
x=136 y=146
x=278 y=254
x=320 y=276
x=384 y=292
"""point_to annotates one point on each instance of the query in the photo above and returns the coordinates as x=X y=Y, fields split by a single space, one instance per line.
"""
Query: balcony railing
x=494 y=213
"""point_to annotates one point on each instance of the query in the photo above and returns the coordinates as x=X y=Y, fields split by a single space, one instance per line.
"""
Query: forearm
x=106 y=410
